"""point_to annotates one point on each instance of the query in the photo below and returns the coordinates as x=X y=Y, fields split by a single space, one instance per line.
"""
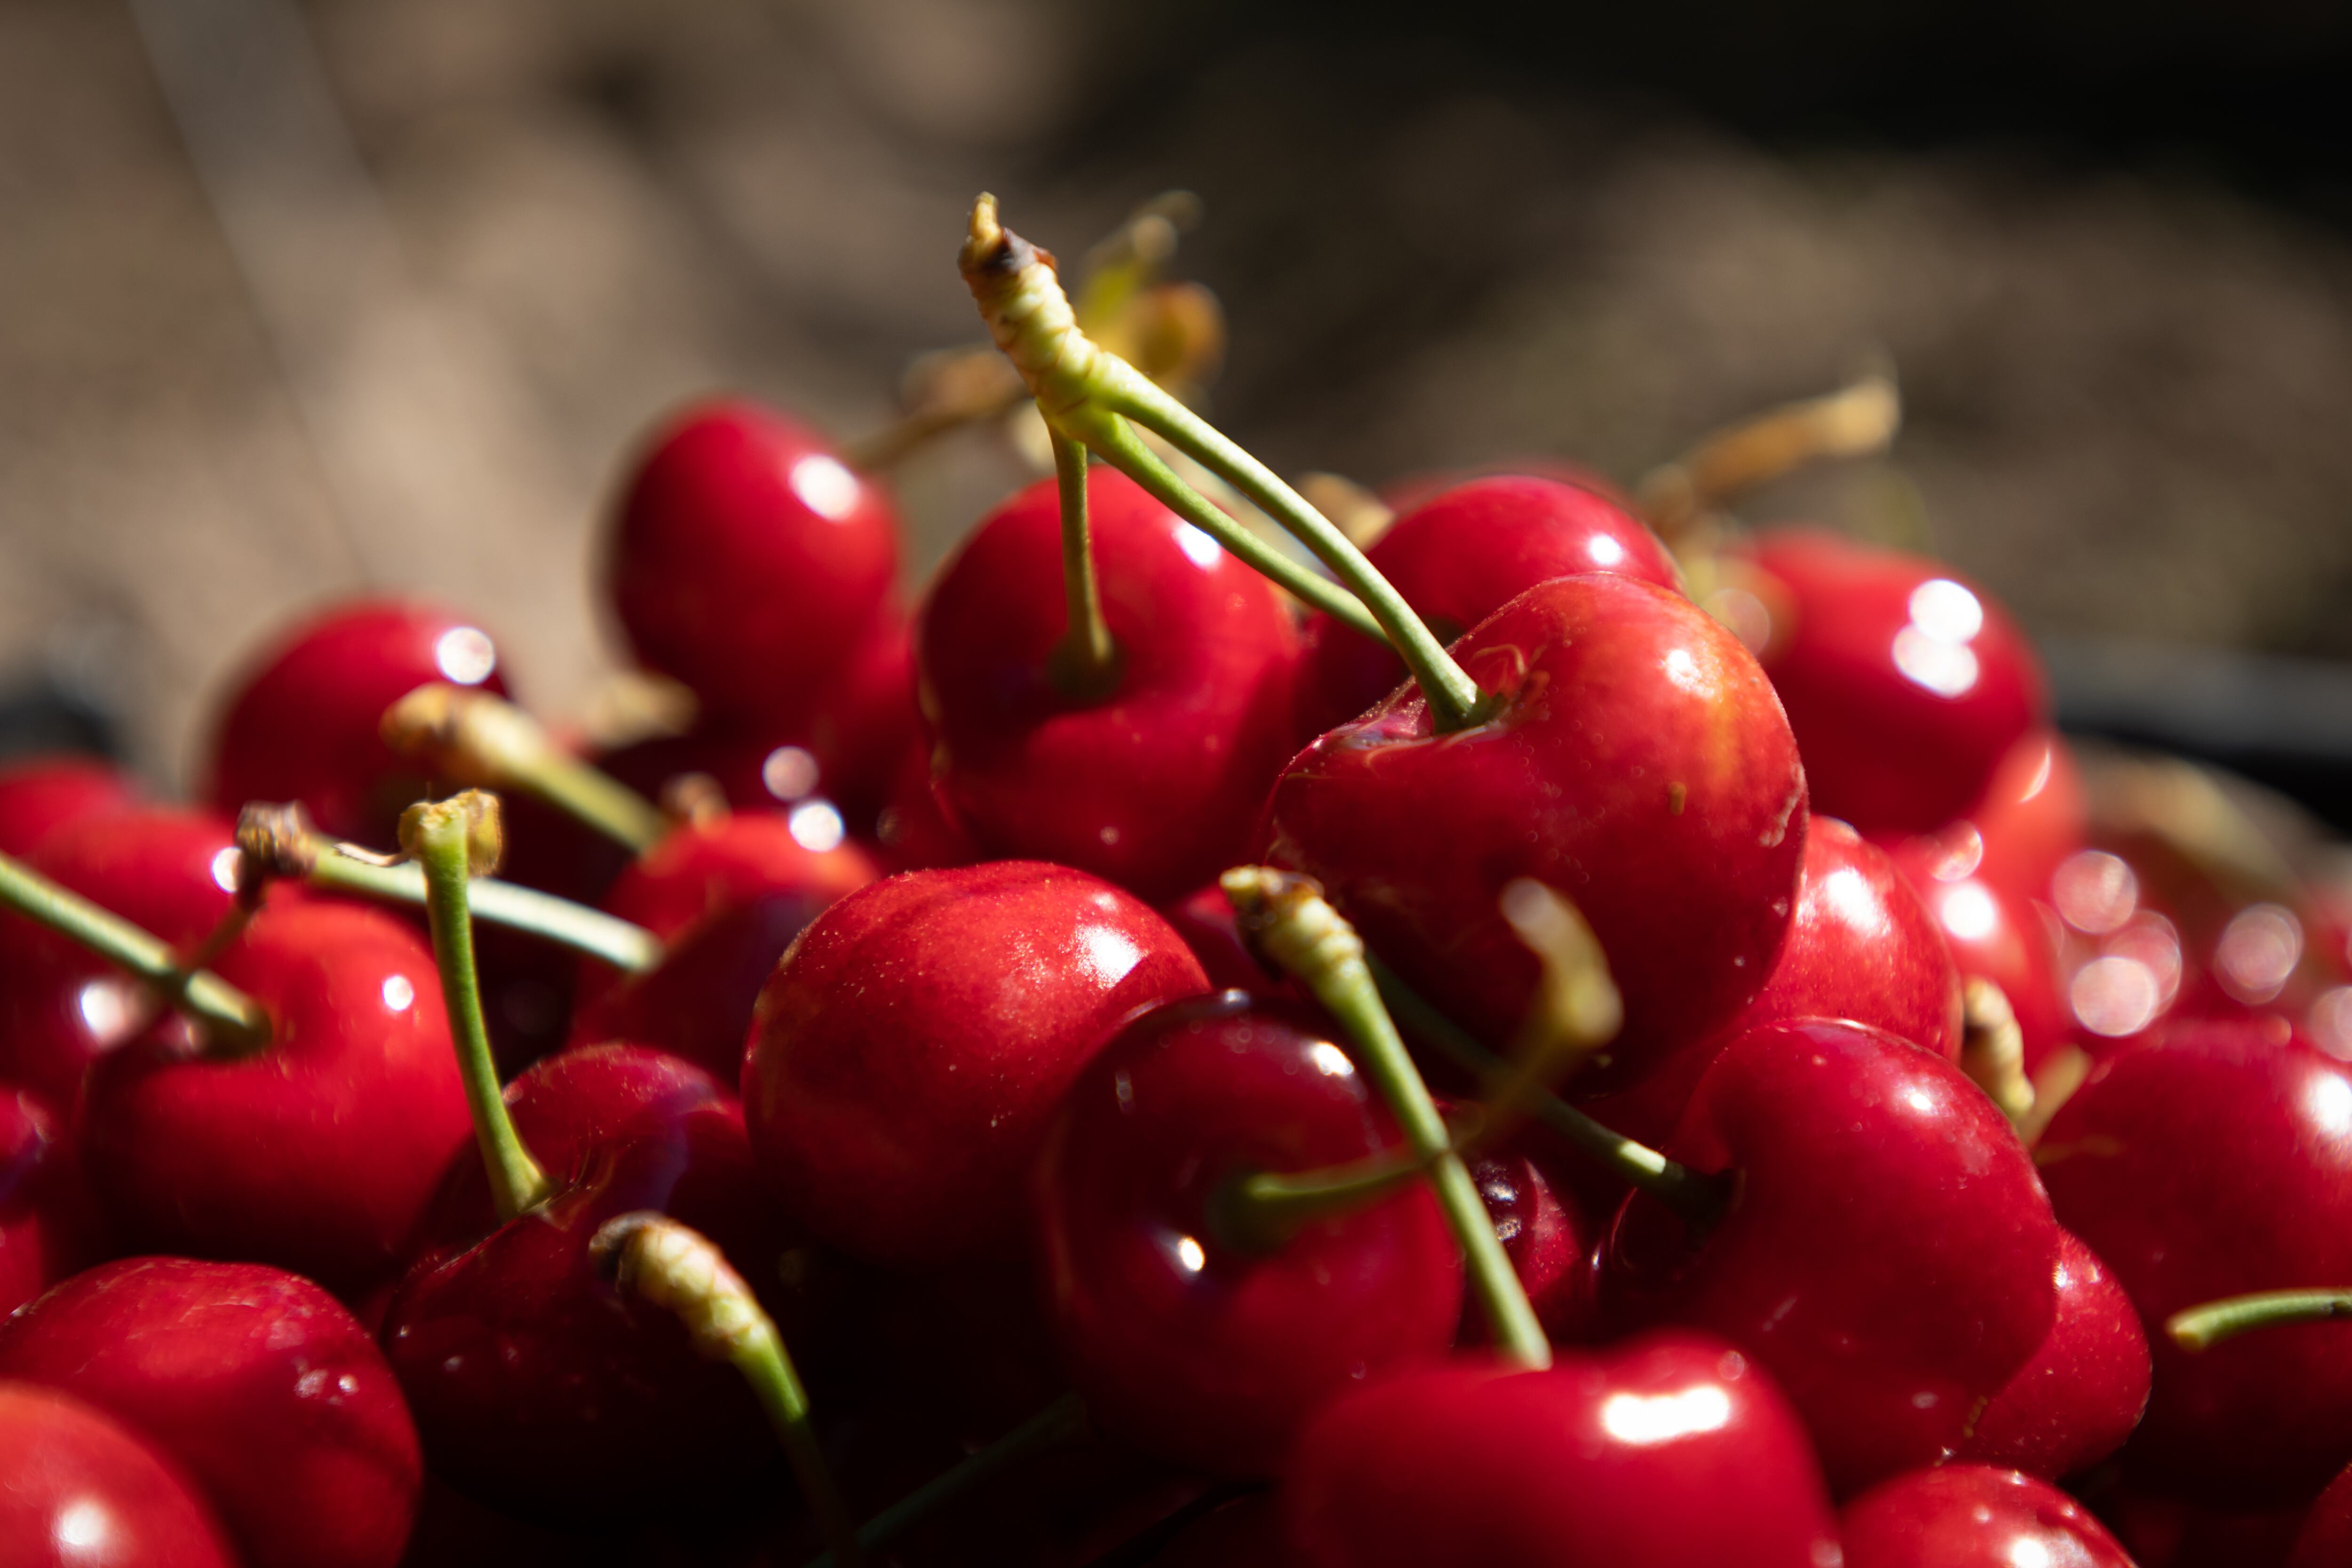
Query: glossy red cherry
x=49 y=1223
x=1180 y=1341
x=1549 y=1239
x=1205 y=920
x=1994 y=934
x=1973 y=1516
x=865 y=719
x=303 y=724
x=1156 y=783
x=262 y=1386
x=1460 y=556
x=316 y=1153
x=2215 y=1162
x=1906 y=685
x=84 y=1490
x=2031 y=817
x=697 y=1002
x=747 y=559
x=910 y=832
x=41 y=793
x=2085 y=1390
x=1671 y=1450
x=1638 y=764
x=910 y=1048
x=1886 y=1252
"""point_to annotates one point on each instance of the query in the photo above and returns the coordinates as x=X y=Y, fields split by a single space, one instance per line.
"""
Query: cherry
x=865 y=719
x=1995 y=935
x=1460 y=555
x=1204 y=919
x=910 y=1048
x=49 y=1225
x=1155 y=780
x=697 y=1002
x=2213 y=1162
x=2326 y=1538
x=316 y=1153
x=1671 y=1450
x=260 y=1384
x=42 y=793
x=2163 y=1530
x=1411 y=491
x=1906 y=685
x=83 y=1491
x=746 y=557
x=1886 y=1252
x=1549 y=1239
x=303 y=725
x=1638 y=763
x=910 y=832
x=2031 y=817
x=1972 y=1516
x=1180 y=1341
x=2079 y=1396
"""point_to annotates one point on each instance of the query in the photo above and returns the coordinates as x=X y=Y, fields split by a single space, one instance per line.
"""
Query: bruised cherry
x=1973 y=1516
x=81 y=1484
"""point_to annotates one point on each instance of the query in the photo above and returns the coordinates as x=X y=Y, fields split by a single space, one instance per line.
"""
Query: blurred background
x=300 y=299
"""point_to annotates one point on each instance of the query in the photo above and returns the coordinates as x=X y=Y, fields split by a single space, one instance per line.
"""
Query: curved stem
x=2200 y=1328
x=1059 y=1422
x=626 y=947
x=1259 y=1212
x=1085 y=663
x=480 y=739
x=1852 y=422
x=234 y=1022
x=443 y=838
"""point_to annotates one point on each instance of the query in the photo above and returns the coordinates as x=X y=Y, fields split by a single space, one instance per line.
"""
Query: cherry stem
x=234 y=1023
x=1259 y=1212
x=478 y=738
x=450 y=839
x=1059 y=1423
x=680 y=1270
x=1286 y=919
x=2200 y=1328
x=1085 y=663
x=278 y=842
x=1852 y=422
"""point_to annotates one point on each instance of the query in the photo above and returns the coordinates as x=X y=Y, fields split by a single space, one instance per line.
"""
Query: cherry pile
x=1569 y=1034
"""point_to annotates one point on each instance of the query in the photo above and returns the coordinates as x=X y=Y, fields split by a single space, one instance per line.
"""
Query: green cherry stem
x=1060 y=1422
x=478 y=738
x=234 y=1022
x=451 y=839
x=680 y=1270
x=1287 y=919
x=2200 y=1328
x=1259 y=1212
x=1085 y=663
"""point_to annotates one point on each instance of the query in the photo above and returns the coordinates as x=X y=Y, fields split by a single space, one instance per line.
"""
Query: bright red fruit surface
x=85 y=1492
x=43 y=792
x=2085 y=1388
x=1973 y=1516
x=1996 y=934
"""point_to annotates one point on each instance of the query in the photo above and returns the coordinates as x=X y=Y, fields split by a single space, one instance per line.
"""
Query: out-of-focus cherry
x=41 y=793
x=49 y=1223
x=84 y=1490
x=1973 y=1516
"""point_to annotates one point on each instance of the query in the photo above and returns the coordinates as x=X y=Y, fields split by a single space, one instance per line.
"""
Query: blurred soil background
x=299 y=300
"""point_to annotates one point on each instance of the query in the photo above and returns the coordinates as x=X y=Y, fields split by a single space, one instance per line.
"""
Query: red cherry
x=697 y=1002
x=1906 y=685
x=49 y=1223
x=2164 y=1531
x=83 y=1491
x=1638 y=764
x=1412 y=490
x=2215 y=1162
x=910 y=832
x=2326 y=1538
x=2031 y=817
x=1460 y=556
x=1886 y=1252
x=2079 y=1396
x=1997 y=935
x=1154 y=784
x=866 y=718
x=1973 y=1516
x=1671 y=1450
x=1549 y=1239
x=747 y=559
x=1205 y=920
x=318 y=1152
x=1179 y=1342
x=42 y=793
x=260 y=1384
x=302 y=725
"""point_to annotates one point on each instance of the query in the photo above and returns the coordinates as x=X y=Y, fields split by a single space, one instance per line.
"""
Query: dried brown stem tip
x=485 y=831
x=274 y=843
x=1020 y=296
x=470 y=737
x=1853 y=422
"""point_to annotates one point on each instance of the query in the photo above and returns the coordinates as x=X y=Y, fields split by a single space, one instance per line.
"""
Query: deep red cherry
x=1460 y=556
x=1672 y=1450
x=1179 y=1342
x=1548 y=1237
x=747 y=559
x=1408 y=491
x=303 y=724
x=84 y=1491
x=262 y=1386
x=537 y=1385
x=2031 y=817
x=41 y=793
x=1973 y=1516
x=2214 y=1161
x=49 y=1223
x=697 y=1002
x=1906 y=685
x=1638 y=764
x=1994 y=934
x=910 y=1048
x=2079 y=1396
x=317 y=1153
x=2326 y=1540
x=2163 y=1530
x=1154 y=784
x=1886 y=1252
x=910 y=832
x=1205 y=920
x=866 y=717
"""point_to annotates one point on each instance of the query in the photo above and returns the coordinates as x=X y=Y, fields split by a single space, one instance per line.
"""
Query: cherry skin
x=317 y=1153
x=909 y=1050
x=697 y=1002
x=2209 y=1163
x=2326 y=1538
x=910 y=832
x=1906 y=685
x=1973 y=1516
x=1460 y=556
x=262 y=1386
x=1995 y=935
x=302 y=725
x=747 y=559
x=42 y=793
x=1671 y=1450
x=1886 y=1252
x=1155 y=783
x=49 y=1223
x=1180 y=1341
x=84 y=1490
x=2085 y=1390
x=1549 y=1239
x=1638 y=764
x=2031 y=817
x=1205 y=920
